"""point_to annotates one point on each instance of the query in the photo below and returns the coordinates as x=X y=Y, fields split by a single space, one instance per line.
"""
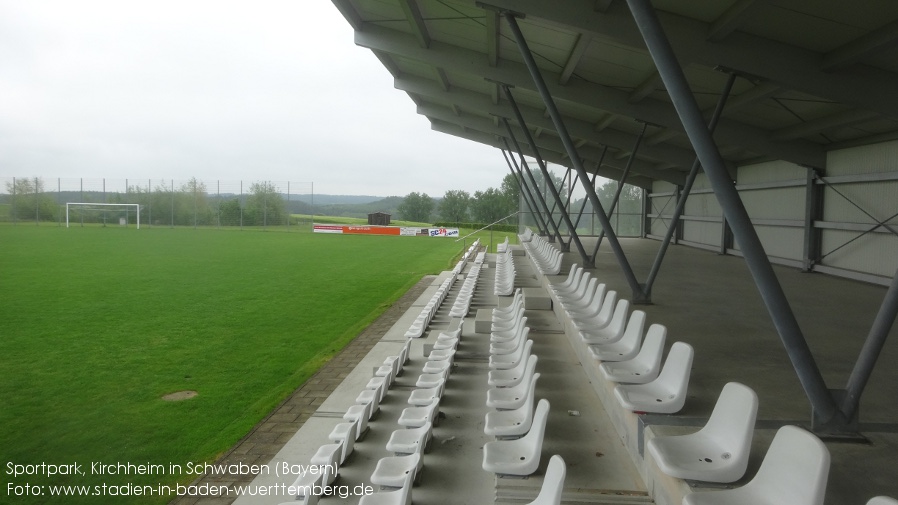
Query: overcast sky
x=224 y=90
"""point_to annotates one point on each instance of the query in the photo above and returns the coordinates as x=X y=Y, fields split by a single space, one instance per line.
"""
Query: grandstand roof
x=812 y=76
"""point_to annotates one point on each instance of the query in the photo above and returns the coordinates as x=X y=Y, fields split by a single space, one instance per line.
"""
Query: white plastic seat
x=437 y=366
x=613 y=331
x=573 y=275
x=415 y=417
x=510 y=335
x=380 y=385
x=520 y=456
x=497 y=348
x=512 y=376
x=425 y=396
x=598 y=316
x=446 y=343
x=667 y=393
x=719 y=451
x=579 y=291
x=513 y=397
x=360 y=414
x=372 y=396
x=507 y=327
x=553 y=483
x=392 y=471
x=512 y=423
x=506 y=361
x=795 y=471
x=441 y=355
x=344 y=447
x=644 y=367
x=304 y=486
x=504 y=313
x=401 y=496
x=410 y=440
x=628 y=345
x=429 y=380
x=882 y=500
x=594 y=288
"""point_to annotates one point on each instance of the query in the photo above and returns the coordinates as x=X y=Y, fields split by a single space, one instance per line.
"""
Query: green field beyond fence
x=98 y=324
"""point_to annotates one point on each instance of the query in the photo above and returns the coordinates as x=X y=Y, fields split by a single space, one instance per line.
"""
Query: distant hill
x=387 y=205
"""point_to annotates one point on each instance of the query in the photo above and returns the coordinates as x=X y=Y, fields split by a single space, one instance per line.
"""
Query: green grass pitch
x=97 y=324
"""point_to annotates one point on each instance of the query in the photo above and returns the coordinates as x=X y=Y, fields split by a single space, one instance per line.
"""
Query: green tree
x=416 y=207
x=195 y=209
x=264 y=206
x=29 y=200
x=229 y=212
x=454 y=206
x=491 y=205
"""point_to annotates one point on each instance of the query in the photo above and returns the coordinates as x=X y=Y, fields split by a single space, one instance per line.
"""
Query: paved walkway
x=269 y=436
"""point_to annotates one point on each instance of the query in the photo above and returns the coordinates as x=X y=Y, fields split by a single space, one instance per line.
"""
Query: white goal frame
x=86 y=204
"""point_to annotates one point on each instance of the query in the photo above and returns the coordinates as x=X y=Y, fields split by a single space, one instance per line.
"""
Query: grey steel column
x=687 y=187
x=876 y=339
x=592 y=183
x=525 y=194
x=526 y=168
x=812 y=212
x=826 y=415
x=539 y=197
x=542 y=167
x=541 y=223
x=620 y=188
x=560 y=128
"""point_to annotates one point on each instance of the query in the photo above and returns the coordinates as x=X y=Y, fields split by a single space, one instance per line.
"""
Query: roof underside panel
x=812 y=75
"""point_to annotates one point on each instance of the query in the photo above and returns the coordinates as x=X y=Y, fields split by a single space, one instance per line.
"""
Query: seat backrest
x=533 y=440
x=553 y=483
x=732 y=422
x=882 y=500
x=649 y=357
x=520 y=349
x=608 y=304
x=674 y=377
x=795 y=469
x=633 y=334
x=348 y=442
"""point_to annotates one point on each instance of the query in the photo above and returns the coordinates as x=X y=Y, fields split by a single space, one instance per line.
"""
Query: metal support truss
x=542 y=201
x=525 y=193
x=684 y=193
x=620 y=188
x=548 y=177
x=826 y=416
x=561 y=130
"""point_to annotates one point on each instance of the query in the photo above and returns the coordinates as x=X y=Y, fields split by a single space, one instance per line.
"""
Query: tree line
x=494 y=204
x=191 y=204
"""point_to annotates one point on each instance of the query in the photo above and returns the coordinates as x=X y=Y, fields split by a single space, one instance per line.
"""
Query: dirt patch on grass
x=179 y=396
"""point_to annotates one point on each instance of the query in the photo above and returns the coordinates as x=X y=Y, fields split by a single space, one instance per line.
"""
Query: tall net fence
x=163 y=202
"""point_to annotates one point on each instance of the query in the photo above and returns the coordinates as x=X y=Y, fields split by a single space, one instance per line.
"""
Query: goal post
x=105 y=207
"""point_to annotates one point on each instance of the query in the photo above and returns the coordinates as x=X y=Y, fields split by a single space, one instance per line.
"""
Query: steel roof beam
x=791 y=66
x=471 y=100
x=582 y=93
x=549 y=148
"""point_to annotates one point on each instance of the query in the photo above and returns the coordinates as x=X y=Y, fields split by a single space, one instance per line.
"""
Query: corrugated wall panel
x=769 y=171
x=702 y=232
x=775 y=203
x=870 y=159
x=780 y=242
x=875 y=254
x=664 y=205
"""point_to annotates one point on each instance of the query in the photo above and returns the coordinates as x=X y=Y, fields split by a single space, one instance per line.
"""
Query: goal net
x=107 y=214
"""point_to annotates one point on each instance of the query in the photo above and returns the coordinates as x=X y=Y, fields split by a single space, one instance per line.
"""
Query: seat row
x=505 y=274
x=796 y=466
x=546 y=258
x=518 y=427
x=462 y=303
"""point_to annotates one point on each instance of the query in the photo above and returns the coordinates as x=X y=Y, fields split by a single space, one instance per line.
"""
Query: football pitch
x=98 y=324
